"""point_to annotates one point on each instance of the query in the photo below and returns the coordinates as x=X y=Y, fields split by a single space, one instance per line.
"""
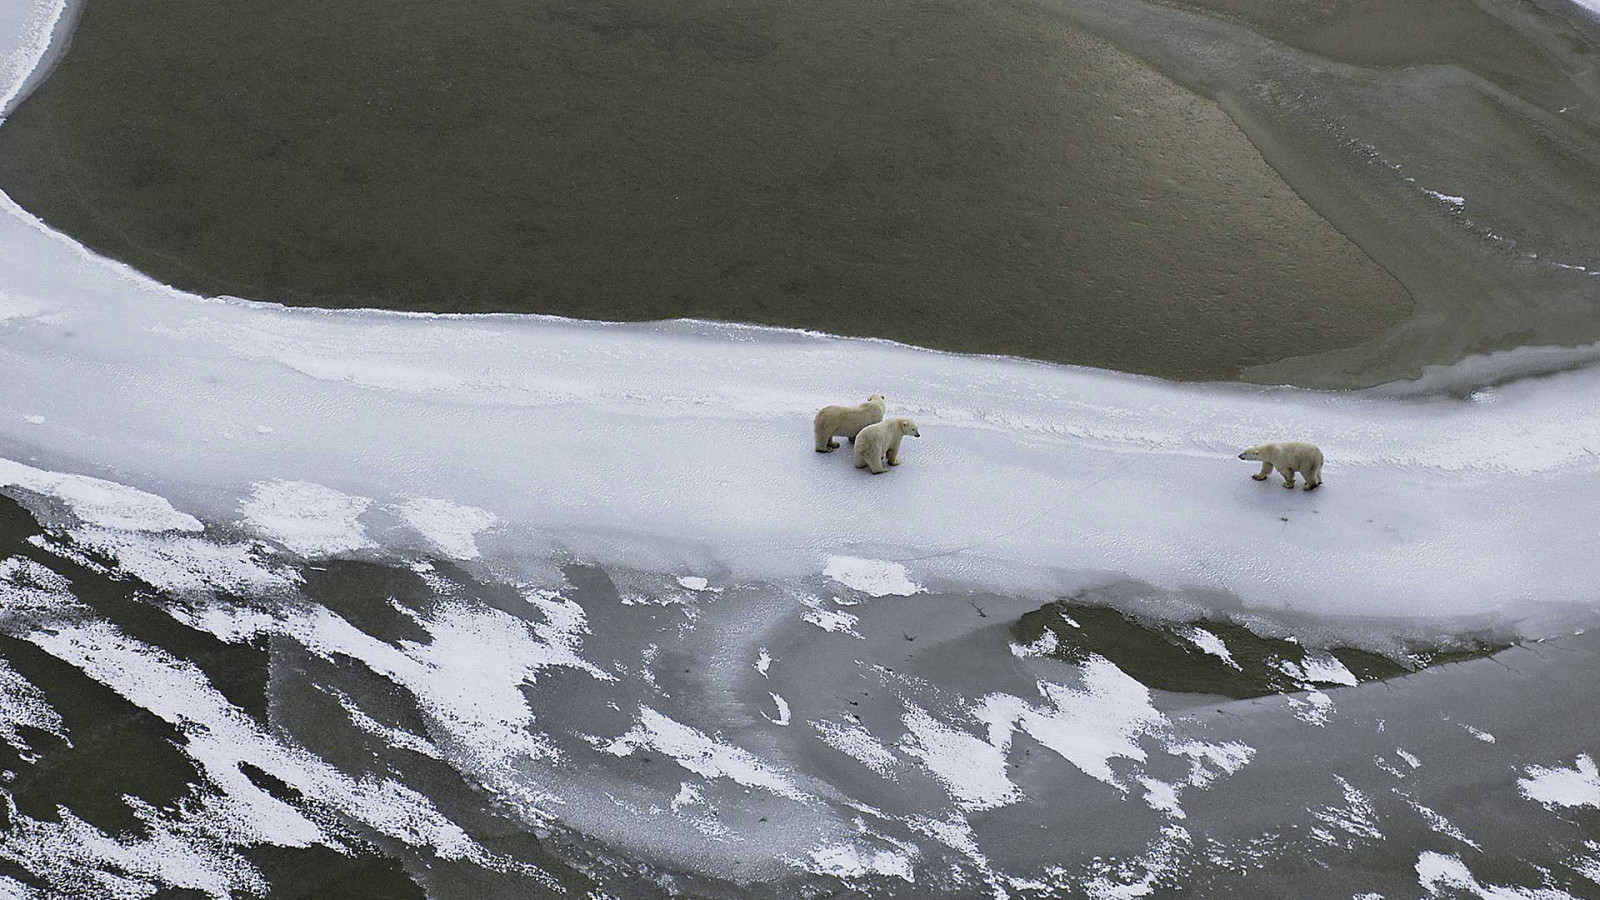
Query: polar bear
x=1288 y=458
x=845 y=420
x=880 y=443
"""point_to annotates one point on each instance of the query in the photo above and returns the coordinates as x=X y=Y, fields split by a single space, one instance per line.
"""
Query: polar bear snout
x=1241 y=456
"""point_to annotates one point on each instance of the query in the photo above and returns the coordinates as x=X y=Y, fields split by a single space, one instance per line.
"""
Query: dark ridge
x=1154 y=652
x=318 y=873
x=270 y=783
x=361 y=592
x=592 y=581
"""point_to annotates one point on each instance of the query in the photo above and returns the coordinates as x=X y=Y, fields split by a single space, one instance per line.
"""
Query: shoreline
x=56 y=45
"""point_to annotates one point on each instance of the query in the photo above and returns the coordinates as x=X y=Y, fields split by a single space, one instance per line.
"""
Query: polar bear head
x=1253 y=454
x=878 y=399
x=907 y=426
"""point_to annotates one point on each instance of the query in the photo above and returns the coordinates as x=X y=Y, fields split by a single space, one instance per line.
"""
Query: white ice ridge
x=647 y=445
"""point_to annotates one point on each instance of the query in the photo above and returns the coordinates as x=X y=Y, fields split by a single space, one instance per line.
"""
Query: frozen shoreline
x=653 y=446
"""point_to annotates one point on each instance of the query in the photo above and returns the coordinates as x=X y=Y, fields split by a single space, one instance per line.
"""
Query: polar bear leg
x=1314 y=477
x=1266 y=469
x=824 y=436
x=877 y=467
x=1288 y=477
x=892 y=455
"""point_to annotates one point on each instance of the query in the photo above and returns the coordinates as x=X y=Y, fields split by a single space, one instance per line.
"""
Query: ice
x=27 y=28
x=1031 y=477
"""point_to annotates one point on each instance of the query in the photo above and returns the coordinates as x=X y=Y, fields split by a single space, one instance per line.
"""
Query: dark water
x=985 y=178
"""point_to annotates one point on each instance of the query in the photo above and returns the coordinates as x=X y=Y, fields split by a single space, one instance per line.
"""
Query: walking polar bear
x=880 y=443
x=845 y=421
x=1288 y=458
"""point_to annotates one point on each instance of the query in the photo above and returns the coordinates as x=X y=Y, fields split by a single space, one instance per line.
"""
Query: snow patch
x=782 y=718
x=856 y=742
x=701 y=754
x=856 y=861
x=96 y=501
x=1558 y=786
x=871 y=576
x=1447 y=876
x=452 y=527
x=309 y=519
x=1210 y=643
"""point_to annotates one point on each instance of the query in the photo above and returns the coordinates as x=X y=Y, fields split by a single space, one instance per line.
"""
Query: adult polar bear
x=1288 y=458
x=880 y=443
x=846 y=421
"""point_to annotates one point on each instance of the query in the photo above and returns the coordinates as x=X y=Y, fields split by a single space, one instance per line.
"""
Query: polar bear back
x=1296 y=455
x=847 y=421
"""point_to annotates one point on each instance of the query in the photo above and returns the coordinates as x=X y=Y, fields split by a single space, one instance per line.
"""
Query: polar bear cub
x=846 y=421
x=880 y=443
x=1288 y=458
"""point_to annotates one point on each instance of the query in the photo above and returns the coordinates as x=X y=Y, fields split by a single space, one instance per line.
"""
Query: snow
x=782 y=718
x=1325 y=668
x=971 y=768
x=1554 y=786
x=310 y=519
x=1087 y=726
x=23 y=704
x=1044 y=645
x=701 y=754
x=871 y=576
x=1211 y=644
x=833 y=620
x=855 y=861
x=1448 y=876
x=29 y=27
x=856 y=742
x=96 y=501
x=451 y=527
